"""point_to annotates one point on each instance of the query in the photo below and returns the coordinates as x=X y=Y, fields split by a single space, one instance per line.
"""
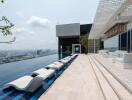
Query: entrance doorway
x=76 y=48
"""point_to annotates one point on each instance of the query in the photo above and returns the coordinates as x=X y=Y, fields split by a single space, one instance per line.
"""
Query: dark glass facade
x=65 y=42
x=65 y=45
x=125 y=41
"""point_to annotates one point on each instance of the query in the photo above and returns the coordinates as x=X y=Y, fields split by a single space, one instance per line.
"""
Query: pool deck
x=123 y=72
x=86 y=79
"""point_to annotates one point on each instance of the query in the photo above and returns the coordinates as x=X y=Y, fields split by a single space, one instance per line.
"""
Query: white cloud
x=38 y=22
x=22 y=30
x=27 y=36
x=20 y=14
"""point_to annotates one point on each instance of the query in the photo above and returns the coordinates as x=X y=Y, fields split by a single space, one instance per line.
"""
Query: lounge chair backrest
x=37 y=81
x=46 y=75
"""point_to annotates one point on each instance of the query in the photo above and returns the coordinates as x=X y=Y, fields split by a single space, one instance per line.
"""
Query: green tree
x=6 y=29
x=2 y=1
x=84 y=42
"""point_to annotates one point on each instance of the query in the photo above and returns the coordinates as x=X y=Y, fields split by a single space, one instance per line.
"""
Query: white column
x=94 y=46
x=127 y=40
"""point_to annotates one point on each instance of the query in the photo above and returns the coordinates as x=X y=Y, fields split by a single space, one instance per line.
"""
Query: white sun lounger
x=74 y=55
x=67 y=58
x=26 y=83
x=44 y=76
x=29 y=83
x=44 y=71
x=64 y=61
x=57 y=62
x=55 y=66
x=39 y=71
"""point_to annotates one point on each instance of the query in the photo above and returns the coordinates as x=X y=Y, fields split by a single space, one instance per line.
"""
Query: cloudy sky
x=35 y=20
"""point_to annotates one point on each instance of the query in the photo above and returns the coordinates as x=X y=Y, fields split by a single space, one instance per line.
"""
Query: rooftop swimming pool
x=12 y=71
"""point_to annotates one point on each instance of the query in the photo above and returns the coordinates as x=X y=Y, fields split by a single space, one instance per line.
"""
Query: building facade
x=73 y=38
x=113 y=24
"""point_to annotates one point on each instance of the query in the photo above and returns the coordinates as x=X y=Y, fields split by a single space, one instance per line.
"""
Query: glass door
x=76 y=48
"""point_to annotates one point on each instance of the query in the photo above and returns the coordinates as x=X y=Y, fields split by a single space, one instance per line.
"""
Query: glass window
x=112 y=44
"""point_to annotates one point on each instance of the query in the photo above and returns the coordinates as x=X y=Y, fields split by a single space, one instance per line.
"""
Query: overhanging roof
x=109 y=13
x=65 y=30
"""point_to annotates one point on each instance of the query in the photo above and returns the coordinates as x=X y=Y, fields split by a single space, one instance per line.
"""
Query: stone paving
x=87 y=79
x=118 y=69
x=78 y=82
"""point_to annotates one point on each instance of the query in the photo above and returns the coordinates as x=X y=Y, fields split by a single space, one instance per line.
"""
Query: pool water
x=12 y=71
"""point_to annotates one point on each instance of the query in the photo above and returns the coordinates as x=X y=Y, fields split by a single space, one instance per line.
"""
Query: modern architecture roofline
x=108 y=14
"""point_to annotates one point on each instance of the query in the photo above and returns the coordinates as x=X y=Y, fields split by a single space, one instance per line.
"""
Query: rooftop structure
x=68 y=30
x=110 y=13
x=70 y=37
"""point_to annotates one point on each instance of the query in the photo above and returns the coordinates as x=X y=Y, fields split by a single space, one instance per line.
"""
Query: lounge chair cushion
x=55 y=66
x=47 y=74
x=22 y=82
x=39 y=71
x=56 y=63
x=64 y=61
x=26 y=83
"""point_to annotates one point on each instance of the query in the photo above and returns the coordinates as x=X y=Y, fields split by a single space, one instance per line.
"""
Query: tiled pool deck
x=87 y=79
x=123 y=72
x=75 y=83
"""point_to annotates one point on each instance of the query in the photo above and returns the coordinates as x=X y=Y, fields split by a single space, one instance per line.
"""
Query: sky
x=35 y=20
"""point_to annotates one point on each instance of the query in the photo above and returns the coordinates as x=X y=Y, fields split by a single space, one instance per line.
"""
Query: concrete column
x=94 y=46
x=127 y=41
